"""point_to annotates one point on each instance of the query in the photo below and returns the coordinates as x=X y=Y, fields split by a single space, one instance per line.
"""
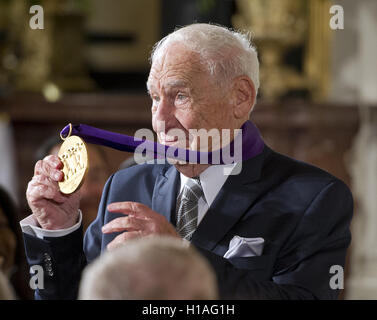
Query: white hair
x=149 y=268
x=226 y=53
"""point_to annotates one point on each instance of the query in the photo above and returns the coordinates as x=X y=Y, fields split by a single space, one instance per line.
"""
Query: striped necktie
x=187 y=208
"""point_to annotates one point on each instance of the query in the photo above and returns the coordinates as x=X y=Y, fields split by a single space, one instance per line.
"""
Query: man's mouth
x=166 y=139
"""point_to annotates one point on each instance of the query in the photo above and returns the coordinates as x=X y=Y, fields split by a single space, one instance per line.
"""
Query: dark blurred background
x=89 y=65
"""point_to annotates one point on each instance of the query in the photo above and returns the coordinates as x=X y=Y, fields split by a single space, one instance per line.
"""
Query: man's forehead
x=179 y=71
x=182 y=78
x=169 y=83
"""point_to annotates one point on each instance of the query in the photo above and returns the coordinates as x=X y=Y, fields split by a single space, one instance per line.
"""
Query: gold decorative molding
x=317 y=57
x=54 y=55
x=277 y=26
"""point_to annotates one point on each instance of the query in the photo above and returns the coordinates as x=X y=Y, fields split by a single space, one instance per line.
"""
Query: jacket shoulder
x=301 y=179
x=299 y=171
x=139 y=174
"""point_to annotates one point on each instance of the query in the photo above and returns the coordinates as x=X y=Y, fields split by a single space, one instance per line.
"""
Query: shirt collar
x=211 y=179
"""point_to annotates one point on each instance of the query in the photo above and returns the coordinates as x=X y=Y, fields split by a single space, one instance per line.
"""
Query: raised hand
x=139 y=221
x=52 y=209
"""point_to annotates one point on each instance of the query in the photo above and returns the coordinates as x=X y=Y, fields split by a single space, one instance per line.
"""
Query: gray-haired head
x=149 y=268
x=226 y=53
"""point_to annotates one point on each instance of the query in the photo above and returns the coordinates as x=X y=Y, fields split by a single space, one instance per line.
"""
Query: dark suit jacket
x=302 y=212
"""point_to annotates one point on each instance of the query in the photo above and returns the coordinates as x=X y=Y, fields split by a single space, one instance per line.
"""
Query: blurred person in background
x=12 y=257
x=98 y=172
x=152 y=268
x=8 y=243
x=6 y=290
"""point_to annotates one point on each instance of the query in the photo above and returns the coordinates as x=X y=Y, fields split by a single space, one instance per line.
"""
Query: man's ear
x=243 y=96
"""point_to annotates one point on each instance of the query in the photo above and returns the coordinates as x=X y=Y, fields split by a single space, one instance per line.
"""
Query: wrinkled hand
x=140 y=221
x=52 y=209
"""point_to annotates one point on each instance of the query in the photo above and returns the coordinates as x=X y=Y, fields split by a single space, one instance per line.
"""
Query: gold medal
x=74 y=156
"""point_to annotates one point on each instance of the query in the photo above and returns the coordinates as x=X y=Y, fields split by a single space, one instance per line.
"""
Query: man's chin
x=191 y=170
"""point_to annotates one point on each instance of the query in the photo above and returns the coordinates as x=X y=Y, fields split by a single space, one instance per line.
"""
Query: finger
x=44 y=168
x=54 y=161
x=40 y=188
x=45 y=180
x=39 y=192
x=124 y=224
x=131 y=208
x=122 y=238
x=48 y=169
x=52 y=185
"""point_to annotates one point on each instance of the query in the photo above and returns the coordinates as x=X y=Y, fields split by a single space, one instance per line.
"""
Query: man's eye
x=181 y=96
x=156 y=98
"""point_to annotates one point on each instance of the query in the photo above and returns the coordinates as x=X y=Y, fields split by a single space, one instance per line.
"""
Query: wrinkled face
x=185 y=97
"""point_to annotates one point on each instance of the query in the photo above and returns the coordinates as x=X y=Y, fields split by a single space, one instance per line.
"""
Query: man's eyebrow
x=169 y=85
x=176 y=83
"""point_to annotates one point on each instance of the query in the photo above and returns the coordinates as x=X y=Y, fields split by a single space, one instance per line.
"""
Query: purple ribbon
x=252 y=145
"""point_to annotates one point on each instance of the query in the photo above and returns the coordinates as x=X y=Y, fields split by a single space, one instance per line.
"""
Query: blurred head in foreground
x=153 y=268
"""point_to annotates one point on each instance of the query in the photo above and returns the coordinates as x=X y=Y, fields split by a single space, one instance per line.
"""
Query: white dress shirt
x=211 y=179
x=30 y=226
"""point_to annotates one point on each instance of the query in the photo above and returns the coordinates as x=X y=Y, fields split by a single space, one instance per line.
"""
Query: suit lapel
x=235 y=197
x=165 y=193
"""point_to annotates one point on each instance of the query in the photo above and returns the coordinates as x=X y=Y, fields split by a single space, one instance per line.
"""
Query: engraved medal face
x=74 y=156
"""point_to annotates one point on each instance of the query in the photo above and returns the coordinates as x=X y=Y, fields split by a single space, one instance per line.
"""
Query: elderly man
x=272 y=231
x=153 y=268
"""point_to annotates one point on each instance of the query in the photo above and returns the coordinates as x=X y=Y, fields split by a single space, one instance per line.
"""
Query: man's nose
x=165 y=110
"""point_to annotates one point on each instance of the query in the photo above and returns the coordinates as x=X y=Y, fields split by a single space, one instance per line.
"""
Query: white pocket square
x=240 y=247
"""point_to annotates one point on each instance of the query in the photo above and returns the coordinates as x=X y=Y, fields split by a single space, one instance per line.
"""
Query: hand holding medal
x=51 y=192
